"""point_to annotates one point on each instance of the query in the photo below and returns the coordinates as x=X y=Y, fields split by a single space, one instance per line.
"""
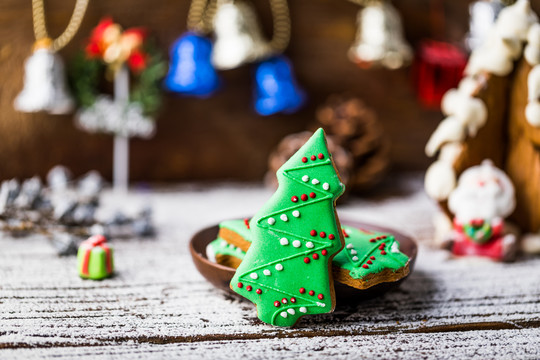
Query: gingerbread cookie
x=364 y=262
x=236 y=232
x=369 y=258
x=224 y=253
x=287 y=270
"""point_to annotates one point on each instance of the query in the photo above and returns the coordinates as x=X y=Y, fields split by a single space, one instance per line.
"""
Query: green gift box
x=95 y=258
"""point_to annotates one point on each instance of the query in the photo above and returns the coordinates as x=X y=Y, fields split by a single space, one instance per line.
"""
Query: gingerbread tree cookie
x=287 y=270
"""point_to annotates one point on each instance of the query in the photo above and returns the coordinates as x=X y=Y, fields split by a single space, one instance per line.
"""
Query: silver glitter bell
x=239 y=38
x=45 y=87
x=379 y=39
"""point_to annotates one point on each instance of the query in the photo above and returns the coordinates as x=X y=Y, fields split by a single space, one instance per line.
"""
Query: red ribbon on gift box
x=94 y=241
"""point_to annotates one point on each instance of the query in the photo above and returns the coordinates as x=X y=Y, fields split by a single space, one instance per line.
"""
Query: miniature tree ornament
x=287 y=270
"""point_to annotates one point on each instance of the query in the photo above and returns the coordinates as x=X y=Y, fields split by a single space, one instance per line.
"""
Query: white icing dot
x=279 y=267
x=284 y=314
x=355 y=258
x=296 y=243
x=305 y=178
x=284 y=241
x=321 y=304
x=315 y=181
x=395 y=248
x=310 y=245
x=296 y=213
x=349 y=246
x=326 y=186
x=284 y=217
x=271 y=221
x=353 y=252
x=254 y=276
x=303 y=309
x=291 y=311
x=267 y=272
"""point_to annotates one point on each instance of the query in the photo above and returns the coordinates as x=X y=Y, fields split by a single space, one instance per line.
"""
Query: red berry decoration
x=306 y=260
x=258 y=291
x=322 y=234
x=321 y=156
x=302 y=290
x=249 y=288
x=320 y=296
x=304 y=159
x=315 y=256
x=293 y=300
x=383 y=252
x=311 y=292
x=324 y=252
x=312 y=195
x=313 y=232
x=294 y=199
x=284 y=300
x=313 y=157
x=372 y=257
x=277 y=303
x=369 y=262
x=365 y=266
x=240 y=285
x=331 y=237
x=303 y=197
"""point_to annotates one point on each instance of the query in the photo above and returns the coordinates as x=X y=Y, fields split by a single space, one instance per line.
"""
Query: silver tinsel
x=107 y=116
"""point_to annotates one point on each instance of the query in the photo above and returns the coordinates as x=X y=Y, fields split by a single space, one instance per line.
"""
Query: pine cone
x=292 y=143
x=355 y=128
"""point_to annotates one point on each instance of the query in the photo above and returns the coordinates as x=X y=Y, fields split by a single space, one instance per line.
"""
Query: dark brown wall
x=219 y=137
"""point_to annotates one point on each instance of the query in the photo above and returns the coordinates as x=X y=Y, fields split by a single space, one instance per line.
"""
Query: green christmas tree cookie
x=287 y=270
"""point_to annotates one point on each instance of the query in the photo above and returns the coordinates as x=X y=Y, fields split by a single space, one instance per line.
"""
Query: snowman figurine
x=482 y=199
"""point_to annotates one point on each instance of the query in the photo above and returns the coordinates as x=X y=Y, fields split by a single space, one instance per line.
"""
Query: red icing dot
x=293 y=299
x=331 y=237
x=324 y=252
x=304 y=159
x=240 y=285
x=246 y=222
x=381 y=247
x=313 y=157
x=321 y=156
x=306 y=260
x=320 y=296
x=302 y=290
x=371 y=240
x=311 y=292
x=294 y=199
x=284 y=300
x=249 y=288
x=372 y=257
x=383 y=252
x=277 y=303
x=383 y=237
x=365 y=266
x=313 y=232
x=258 y=291
x=345 y=233
x=369 y=262
x=312 y=195
x=322 y=234
x=303 y=197
x=315 y=256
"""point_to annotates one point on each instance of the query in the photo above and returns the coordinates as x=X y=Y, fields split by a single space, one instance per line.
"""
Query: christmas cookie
x=236 y=232
x=287 y=270
x=224 y=253
x=369 y=258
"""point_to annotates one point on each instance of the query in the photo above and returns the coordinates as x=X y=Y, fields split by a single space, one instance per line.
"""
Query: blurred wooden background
x=220 y=137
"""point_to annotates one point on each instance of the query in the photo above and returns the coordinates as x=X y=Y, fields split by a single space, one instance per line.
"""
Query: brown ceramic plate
x=220 y=276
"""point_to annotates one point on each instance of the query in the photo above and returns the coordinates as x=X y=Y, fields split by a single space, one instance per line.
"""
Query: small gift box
x=95 y=258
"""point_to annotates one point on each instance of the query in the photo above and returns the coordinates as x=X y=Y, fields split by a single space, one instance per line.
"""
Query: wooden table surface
x=158 y=306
